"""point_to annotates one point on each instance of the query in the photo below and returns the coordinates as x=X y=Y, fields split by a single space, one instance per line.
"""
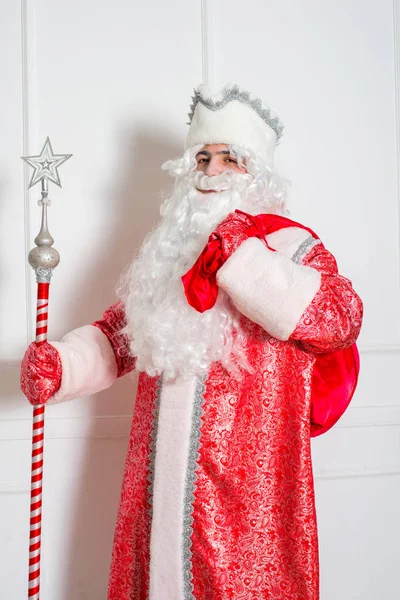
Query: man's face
x=214 y=159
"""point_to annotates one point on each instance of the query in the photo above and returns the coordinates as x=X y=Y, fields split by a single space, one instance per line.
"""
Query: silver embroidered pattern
x=235 y=93
x=304 y=248
x=43 y=275
x=152 y=446
x=190 y=488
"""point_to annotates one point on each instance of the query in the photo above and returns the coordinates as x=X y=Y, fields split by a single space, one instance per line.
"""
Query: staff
x=43 y=259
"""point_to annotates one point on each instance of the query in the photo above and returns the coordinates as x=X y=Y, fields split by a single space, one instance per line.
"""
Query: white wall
x=111 y=83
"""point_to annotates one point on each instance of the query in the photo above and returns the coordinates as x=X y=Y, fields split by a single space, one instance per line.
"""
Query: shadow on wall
x=134 y=193
x=136 y=203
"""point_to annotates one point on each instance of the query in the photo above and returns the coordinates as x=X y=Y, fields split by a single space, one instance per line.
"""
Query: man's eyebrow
x=208 y=154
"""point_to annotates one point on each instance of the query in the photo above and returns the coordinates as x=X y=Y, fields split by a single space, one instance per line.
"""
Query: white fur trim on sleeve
x=268 y=287
x=88 y=363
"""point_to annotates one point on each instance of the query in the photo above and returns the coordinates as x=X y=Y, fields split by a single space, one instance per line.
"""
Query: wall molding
x=29 y=140
x=370 y=416
x=208 y=43
x=99 y=427
x=380 y=348
x=10 y=364
x=14 y=488
x=359 y=471
x=396 y=44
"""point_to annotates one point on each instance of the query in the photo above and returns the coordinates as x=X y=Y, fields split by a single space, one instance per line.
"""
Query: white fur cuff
x=267 y=287
x=88 y=363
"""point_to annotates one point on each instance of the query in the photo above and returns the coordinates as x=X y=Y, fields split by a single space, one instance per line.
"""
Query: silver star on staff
x=46 y=164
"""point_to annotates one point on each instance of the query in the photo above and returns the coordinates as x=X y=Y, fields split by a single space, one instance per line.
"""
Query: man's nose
x=214 y=167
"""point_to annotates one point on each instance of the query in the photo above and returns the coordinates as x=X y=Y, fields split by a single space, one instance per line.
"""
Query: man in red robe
x=244 y=334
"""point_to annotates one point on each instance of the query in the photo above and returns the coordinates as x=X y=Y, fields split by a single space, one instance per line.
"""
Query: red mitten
x=40 y=373
x=200 y=282
x=232 y=232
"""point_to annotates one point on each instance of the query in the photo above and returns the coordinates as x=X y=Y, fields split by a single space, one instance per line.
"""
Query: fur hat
x=233 y=116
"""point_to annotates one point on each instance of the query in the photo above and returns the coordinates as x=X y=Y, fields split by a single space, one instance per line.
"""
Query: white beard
x=168 y=336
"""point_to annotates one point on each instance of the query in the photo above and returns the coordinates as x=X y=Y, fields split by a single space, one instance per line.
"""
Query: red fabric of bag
x=335 y=374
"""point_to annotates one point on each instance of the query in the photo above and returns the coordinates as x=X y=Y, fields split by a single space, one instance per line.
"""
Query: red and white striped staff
x=43 y=259
x=37 y=457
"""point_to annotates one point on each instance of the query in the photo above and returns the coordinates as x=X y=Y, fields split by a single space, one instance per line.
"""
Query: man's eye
x=202 y=161
x=232 y=160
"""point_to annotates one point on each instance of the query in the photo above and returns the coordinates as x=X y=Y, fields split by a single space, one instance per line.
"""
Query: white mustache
x=223 y=182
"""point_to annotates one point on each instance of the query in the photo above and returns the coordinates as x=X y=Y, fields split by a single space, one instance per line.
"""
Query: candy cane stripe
x=37 y=458
x=41 y=331
x=38 y=446
x=34 y=588
x=35 y=544
x=34 y=554
x=37 y=505
x=37 y=510
x=33 y=548
x=34 y=563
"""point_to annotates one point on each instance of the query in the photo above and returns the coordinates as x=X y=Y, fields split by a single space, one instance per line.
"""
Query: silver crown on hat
x=234 y=92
